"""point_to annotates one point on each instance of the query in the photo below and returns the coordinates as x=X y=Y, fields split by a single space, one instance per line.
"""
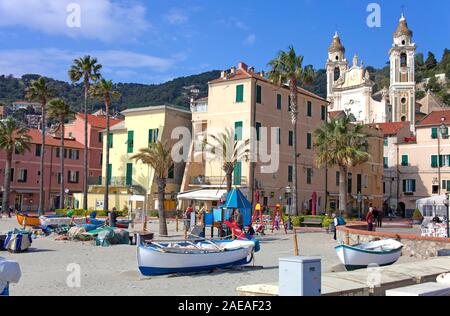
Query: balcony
x=214 y=181
x=200 y=108
x=116 y=182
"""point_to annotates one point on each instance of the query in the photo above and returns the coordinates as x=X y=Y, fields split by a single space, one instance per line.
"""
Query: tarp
x=9 y=271
x=432 y=206
x=236 y=199
x=202 y=195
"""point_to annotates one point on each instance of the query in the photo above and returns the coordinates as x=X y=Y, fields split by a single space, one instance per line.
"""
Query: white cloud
x=176 y=17
x=104 y=20
x=51 y=62
x=250 y=40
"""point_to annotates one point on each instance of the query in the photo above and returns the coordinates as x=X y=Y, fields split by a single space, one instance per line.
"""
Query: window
x=130 y=142
x=278 y=136
x=237 y=179
x=258 y=131
x=405 y=160
x=171 y=173
x=101 y=158
x=350 y=183
x=240 y=93
x=73 y=176
x=129 y=175
x=289 y=104
x=434 y=133
x=309 y=109
x=338 y=177
x=308 y=141
x=290 y=174
x=445 y=133
x=291 y=138
x=70 y=135
x=279 y=101
x=309 y=175
x=59 y=177
x=403 y=60
x=386 y=142
x=386 y=162
x=366 y=181
x=358 y=183
x=323 y=113
x=337 y=73
x=409 y=186
x=100 y=137
x=446 y=185
x=153 y=135
x=435 y=189
x=38 y=150
x=238 y=130
x=22 y=176
x=110 y=140
x=12 y=174
x=258 y=94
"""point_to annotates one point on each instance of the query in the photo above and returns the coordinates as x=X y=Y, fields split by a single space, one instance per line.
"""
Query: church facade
x=350 y=89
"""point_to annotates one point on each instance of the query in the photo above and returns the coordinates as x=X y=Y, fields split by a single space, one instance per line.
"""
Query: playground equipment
x=277 y=211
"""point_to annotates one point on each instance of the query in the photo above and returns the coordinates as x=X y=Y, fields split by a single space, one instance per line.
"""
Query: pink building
x=25 y=173
x=96 y=124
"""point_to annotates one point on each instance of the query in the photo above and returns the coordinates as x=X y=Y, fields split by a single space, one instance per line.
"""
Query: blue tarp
x=236 y=199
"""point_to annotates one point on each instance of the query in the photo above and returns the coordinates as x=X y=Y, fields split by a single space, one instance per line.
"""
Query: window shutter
x=258 y=131
x=434 y=161
x=308 y=141
x=434 y=133
x=110 y=140
x=414 y=185
x=404 y=186
x=258 y=94
x=240 y=93
x=238 y=130
x=130 y=142
x=279 y=101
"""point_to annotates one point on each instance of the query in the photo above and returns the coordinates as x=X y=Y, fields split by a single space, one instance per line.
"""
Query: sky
x=153 y=41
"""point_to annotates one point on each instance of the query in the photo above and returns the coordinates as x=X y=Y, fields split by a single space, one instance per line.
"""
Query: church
x=350 y=89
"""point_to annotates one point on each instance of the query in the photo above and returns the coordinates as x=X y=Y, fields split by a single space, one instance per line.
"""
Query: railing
x=200 y=108
x=202 y=180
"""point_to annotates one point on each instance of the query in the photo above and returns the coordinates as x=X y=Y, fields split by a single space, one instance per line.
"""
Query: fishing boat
x=186 y=257
x=28 y=220
x=381 y=253
x=60 y=220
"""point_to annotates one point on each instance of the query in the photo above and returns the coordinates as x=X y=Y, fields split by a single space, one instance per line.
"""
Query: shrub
x=80 y=212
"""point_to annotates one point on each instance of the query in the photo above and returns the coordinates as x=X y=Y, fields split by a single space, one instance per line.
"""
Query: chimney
x=251 y=69
x=223 y=74
x=233 y=70
x=243 y=66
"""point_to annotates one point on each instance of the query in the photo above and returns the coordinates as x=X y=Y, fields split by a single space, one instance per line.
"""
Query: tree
x=39 y=91
x=287 y=69
x=86 y=69
x=227 y=149
x=104 y=91
x=158 y=156
x=341 y=142
x=431 y=61
x=59 y=110
x=13 y=138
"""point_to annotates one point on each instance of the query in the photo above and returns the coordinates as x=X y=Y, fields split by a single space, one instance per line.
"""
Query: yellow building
x=141 y=127
x=248 y=103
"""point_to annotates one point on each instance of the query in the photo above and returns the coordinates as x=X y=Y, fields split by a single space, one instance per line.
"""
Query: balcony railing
x=201 y=180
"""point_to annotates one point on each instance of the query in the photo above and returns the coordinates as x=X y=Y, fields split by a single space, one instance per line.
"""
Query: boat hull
x=152 y=262
x=46 y=221
x=28 y=220
x=354 y=257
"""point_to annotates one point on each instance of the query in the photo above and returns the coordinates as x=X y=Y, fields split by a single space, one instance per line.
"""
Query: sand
x=113 y=270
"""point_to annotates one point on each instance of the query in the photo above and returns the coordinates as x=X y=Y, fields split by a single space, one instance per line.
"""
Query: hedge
x=80 y=212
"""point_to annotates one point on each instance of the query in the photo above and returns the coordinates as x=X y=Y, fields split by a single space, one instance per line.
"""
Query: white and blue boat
x=381 y=253
x=197 y=256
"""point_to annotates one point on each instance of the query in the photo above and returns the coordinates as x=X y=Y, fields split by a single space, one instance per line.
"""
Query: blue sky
x=152 y=41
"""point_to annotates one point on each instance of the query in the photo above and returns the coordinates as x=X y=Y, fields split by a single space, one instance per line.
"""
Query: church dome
x=402 y=28
x=336 y=45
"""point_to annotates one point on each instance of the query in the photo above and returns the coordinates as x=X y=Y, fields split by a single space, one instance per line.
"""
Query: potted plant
x=417 y=217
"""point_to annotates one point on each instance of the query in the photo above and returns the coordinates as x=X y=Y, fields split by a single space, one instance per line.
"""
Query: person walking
x=187 y=217
x=380 y=218
x=370 y=219
x=375 y=213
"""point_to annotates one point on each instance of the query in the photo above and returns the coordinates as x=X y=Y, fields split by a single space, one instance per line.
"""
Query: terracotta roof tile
x=99 y=121
x=435 y=118
x=390 y=128
x=36 y=138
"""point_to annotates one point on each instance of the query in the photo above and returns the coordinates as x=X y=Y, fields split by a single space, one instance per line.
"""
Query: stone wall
x=415 y=246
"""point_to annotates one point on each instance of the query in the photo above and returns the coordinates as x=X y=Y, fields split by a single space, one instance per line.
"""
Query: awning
x=203 y=195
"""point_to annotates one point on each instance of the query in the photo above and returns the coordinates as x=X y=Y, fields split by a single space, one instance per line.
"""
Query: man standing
x=187 y=217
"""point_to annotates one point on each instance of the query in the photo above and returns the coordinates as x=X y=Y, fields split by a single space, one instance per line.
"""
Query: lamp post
x=359 y=197
x=289 y=222
x=447 y=204
x=442 y=132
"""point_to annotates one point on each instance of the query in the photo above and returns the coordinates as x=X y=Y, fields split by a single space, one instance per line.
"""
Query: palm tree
x=40 y=92
x=229 y=151
x=86 y=69
x=59 y=110
x=13 y=137
x=104 y=91
x=158 y=156
x=287 y=69
x=341 y=142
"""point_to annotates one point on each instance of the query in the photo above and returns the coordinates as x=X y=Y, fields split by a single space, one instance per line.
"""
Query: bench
x=312 y=222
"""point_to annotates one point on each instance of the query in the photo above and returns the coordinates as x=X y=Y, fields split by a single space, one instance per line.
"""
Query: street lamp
x=289 y=222
x=359 y=197
x=442 y=131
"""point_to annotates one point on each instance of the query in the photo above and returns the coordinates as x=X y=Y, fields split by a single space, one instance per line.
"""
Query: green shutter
x=309 y=108
x=237 y=173
x=414 y=185
x=130 y=142
x=129 y=175
x=404 y=186
x=110 y=140
x=405 y=160
x=434 y=161
x=279 y=102
x=258 y=94
x=238 y=130
x=291 y=138
x=308 y=141
x=444 y=184
x=171 y=173
x=109 y=174
x=258 y=131
x=240 y=93
x=434 y=133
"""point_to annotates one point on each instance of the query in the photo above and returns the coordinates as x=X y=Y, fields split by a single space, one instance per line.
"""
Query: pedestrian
x=375 y=213
x=334 y=223
x=239 y=220
x=187 y=217
x=113 y=217
x=380 y=218
x=370 y=219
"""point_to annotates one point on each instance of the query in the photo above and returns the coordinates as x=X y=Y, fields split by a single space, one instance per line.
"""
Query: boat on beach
x=28 y=220
x=193 y=256
x=381 y=253
x=57 y=220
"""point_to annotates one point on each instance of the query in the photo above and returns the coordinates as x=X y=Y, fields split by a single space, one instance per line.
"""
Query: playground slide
x=237 y=231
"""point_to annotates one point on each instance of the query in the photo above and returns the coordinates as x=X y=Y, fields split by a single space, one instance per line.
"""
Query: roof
x=36 y=138
x=202 y=195
x=402 y=28
x=335 y=114
x=118 y=127
x=98 y=121
x=435 y=118
x=156 y=108
x=243 y=73
x=336 y=44
x=391 y=128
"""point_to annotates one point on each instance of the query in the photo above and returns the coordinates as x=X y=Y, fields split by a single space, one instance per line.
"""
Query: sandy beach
x=113 y=270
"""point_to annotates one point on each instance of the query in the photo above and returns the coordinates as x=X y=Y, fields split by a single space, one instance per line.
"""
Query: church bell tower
x=403 y=84
x=336 y=64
